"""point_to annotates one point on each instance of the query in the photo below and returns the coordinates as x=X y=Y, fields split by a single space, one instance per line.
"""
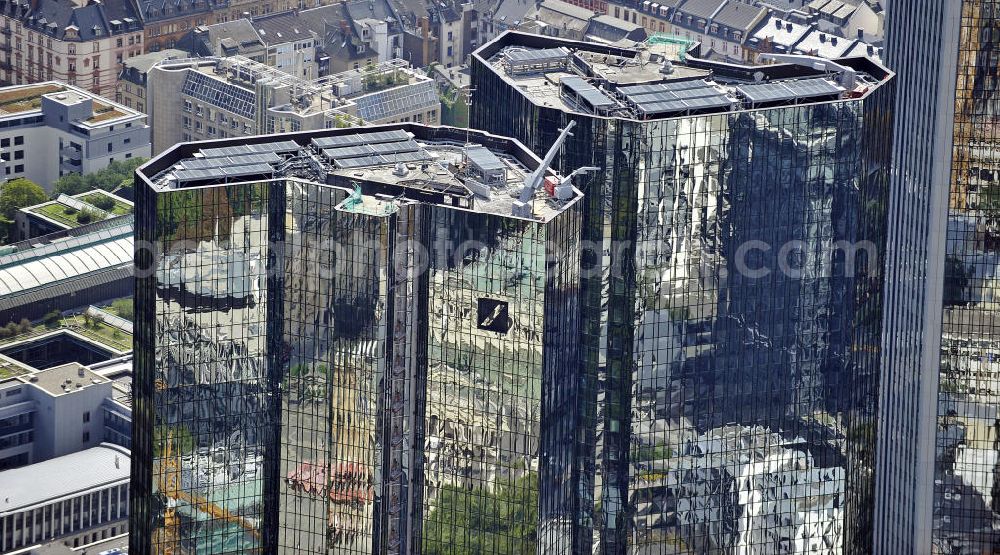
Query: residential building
x=309 y=43
x=225 y=97
x=67 y=270
x=775 y=35
x=131 y=88
x=357 y=396
x=165 y=23
x=605 y=28
x=77 y=499
x=68 y=212
x=556 y=18
x=444 y=33
x=50 y=129
x=80 y=43
x=938 y=472
x=849 y=18
x=733 y=354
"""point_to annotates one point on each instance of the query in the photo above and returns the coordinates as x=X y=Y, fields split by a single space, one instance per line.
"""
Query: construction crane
x=168 y=482
x=522 y=206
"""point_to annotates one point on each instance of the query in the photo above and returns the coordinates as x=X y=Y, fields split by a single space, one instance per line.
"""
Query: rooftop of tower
x=658 y=80
x=466 y=170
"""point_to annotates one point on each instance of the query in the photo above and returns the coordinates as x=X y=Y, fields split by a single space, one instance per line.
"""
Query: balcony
x=71 y=153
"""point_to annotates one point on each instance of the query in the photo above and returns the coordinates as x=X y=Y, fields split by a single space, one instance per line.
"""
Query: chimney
x=833 y=41
x=861 y=34
x=777 y=24
x=79 y=371
x=788 y=27
x=822 y=37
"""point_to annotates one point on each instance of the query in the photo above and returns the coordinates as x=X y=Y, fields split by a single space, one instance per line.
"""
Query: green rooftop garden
x=106 y=203
x=86 y=326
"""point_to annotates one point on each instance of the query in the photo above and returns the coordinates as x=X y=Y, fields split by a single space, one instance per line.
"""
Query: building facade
x=232 y=97
x=50 y=129
x=941 y=348
x=733 y=341
x=399 y=371
x=84 y=499
x=82 y=44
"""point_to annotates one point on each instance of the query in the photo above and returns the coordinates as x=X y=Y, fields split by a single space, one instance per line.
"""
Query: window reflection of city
x=966 y=499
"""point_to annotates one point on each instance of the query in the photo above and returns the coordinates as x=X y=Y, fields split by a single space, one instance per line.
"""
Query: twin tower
x=364 y=341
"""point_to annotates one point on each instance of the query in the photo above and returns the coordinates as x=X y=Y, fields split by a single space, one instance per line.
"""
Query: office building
x=209 y=98
x=50 y=129
x=83 y=498
x=80 y=43
x=732 y=335
x=57 y=410
x=938 y=476
x=403 y=365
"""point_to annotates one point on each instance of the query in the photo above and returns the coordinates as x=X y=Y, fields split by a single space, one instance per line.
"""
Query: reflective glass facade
x=732 y=334
x=396 y=376
x=938 y=475
x=966 y=510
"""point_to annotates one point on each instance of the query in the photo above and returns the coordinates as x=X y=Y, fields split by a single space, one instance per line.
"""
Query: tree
x=52 y=319
x=114 y=176
x=123 y=308
x=19 y=193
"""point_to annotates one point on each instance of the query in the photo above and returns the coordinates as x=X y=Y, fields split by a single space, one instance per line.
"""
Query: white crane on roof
x=522 y=206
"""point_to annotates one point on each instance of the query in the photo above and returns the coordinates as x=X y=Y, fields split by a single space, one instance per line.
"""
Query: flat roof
x=66 y=476
x=558 y=73
x=60 y=380
x=22 y=99
x=404 y=162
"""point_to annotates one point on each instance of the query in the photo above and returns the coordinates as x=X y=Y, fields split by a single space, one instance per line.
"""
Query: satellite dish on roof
x=758 y=76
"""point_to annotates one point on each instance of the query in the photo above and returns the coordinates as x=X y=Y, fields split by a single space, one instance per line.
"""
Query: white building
x=50 y=129
x=82 y=499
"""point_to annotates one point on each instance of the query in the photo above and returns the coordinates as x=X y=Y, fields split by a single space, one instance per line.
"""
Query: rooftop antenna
x=522 y=206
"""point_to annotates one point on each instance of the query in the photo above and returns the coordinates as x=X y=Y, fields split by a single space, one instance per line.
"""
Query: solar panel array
x=586 y=91
x=219 y=93
x=222 y=161
x=361 y=138
x=355 y=151
x=276 y=147
x=789 y=90
x=223 y=172
x=675 y=96
x=381 y=159
x=392 y=103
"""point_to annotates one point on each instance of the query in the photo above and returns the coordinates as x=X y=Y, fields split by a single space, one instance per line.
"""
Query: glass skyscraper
x=347 y=342
x=731 y=288
x=939 y=489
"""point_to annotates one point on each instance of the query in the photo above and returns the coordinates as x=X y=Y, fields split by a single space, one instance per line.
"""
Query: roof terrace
x=656 y=81
x=472 y=171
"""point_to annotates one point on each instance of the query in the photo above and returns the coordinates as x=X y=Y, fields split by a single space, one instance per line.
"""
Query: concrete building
x=74 y=42
x=78 y=499
x=130 y=90
x=165 y=23
x=50 y=129
x=226 y=97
